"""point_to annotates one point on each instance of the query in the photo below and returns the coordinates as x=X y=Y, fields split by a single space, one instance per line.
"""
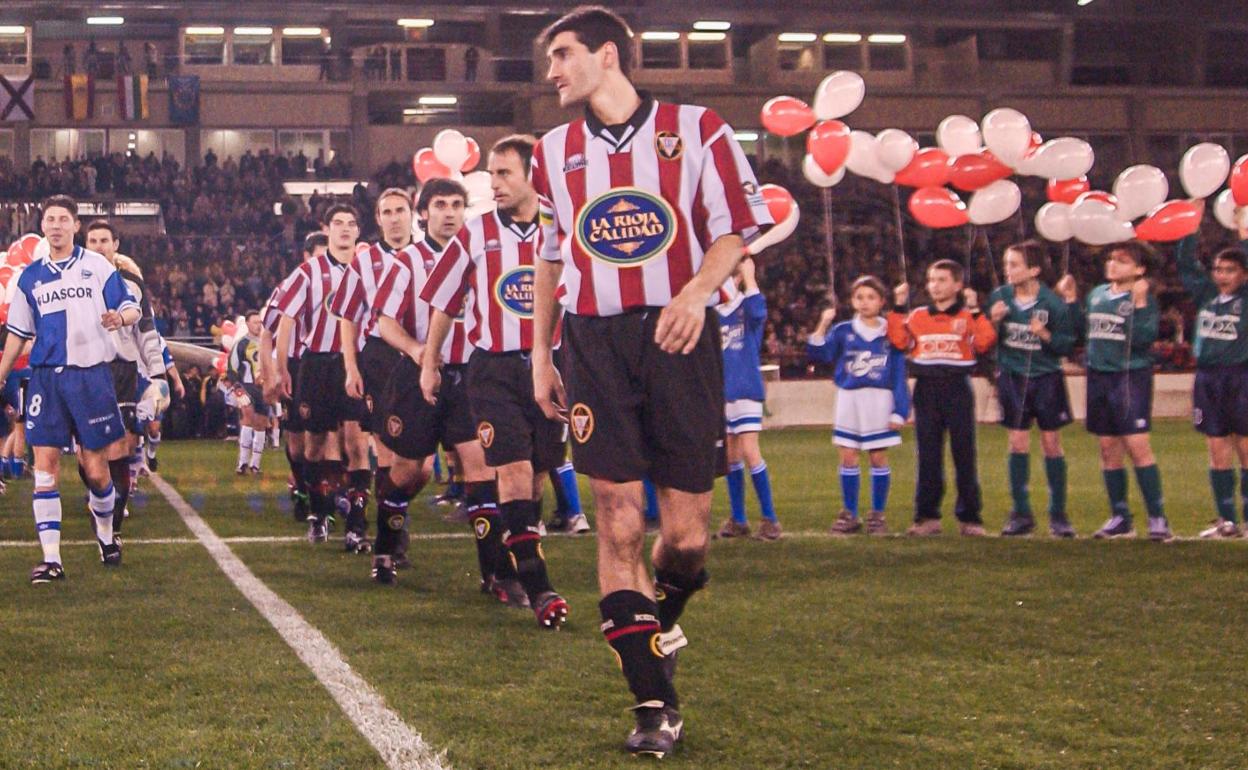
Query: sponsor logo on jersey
x=574 y=163
x=485 y=434
x=581 y=419
x=668 y=145
x=864 y=363
x=513 y=291
x=1212 y=326
x=626 y=226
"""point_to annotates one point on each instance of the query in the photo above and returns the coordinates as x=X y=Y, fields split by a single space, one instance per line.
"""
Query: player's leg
x=881 y=479
x=959 y=408
x=118 y=457
x=47 y=511
x=760 y=479
x=929 y=430
x=1222 y=482
x=1139 y=447
x=1113 y=452
x=355 y=443
x=1021 y=521
x=849 y=474
x=322 y=450
x=1241 y=451
x=737 y=524
x=259 y=422
x=246 y=438
x=1055 y=476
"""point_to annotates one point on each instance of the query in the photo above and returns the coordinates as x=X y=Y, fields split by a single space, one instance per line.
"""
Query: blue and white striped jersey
x=59 y=304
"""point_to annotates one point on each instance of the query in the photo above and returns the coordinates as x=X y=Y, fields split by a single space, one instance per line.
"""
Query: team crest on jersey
x=86 y=273
x=668 y=145
x=581 y=418
x=485 y=433
x=513 y=291
x=1124 y=308
x=749 y=187
x=574 y=163
x=1041 y=315
x=394 y=425
x=626 y=226
x=481 y=526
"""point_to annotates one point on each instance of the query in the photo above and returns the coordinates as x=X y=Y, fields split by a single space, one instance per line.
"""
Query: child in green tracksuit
x=1220 y=395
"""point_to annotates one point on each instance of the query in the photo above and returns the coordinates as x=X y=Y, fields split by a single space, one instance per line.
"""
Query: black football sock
x=119 y=470
x=631 y=626
x=358 y=483
x=674 y=591
x=481 y=504
x=525 y=545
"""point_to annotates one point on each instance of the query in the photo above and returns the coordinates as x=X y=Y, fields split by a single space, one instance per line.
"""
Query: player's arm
x=1146 y=318
x=822 y=347
x=547 y=384
x=397 y=337
x=1195 y=278
x=680 y=323
x=1059 y=334
x=13 y=345
x=900 y=388
x=179 y=388
x=899 y=323
x=285 y=329
x=430 y=378
x=347 y=332
x=983 y=331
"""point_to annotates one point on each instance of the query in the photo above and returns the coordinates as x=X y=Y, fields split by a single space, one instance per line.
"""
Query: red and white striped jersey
x=490 y=261
x=272 y=316
x=399 y=297
x=306 y=299
x=355 y=299
x=631 y=210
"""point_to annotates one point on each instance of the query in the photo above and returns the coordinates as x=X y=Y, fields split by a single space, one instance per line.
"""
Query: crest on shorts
x=485 y=433
x=481 y=526
x=368 y=403
x=668 y=145
x=513 y=291
x=395 y=522
x=305 y=411
x=626 y=226
x=581 y=418
x=394 y=426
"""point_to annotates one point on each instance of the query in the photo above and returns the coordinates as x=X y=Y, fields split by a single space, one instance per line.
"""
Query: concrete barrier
x=792 y=403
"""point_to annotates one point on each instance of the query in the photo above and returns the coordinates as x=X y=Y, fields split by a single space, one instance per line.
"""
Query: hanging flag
x=17 y=99
x=79 y=97
x=132 y=97
x=183 y=99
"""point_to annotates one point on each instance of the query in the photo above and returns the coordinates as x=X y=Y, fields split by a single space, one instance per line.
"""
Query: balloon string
x=1065 y=258
x=829 y=242
x=901 y=234
x=992 y=263
x=970 y=251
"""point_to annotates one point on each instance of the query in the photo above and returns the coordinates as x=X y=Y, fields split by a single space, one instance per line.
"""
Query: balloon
x=6 y=272
x=1064 y=158
x=1067 y=190
x=450 y=148
x=994 y=203
x=838 y=95
x=22 y=251
x=1139 y=190
x=1053 y=222
x=862 y=158
x=784 y=210
x=1204 y=169
x=1223 y=210
x=1092 y=221
x=1170 y=221
x=1007 y=134
x=958 y=135
x=895 y=149
x=478 y=186
x=16 y=256
x=938 y=207
x=929 y=168
x=1099 y=195
x=218 y=363
x=1033 y=145
x=786 y=116
x=474 y=155
x=828 y=144
x=971 y=172
x=1239 y=181
x=427 y=166
x=228 y=328
x=814 y=174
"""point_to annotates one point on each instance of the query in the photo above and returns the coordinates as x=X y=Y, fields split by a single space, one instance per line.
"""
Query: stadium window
x=339 y=145
x=796 y=55
x=426 y=63
x=143 y=142
x=61 y=143
x=204 y=45
x=888 y=53
x=6 y=143
x=14 y=45
x=252 y=45
x=707 y=50
x=842 y=51
x=303 y=49
x=660 y=50
x=229 y=143
x=1225 y=66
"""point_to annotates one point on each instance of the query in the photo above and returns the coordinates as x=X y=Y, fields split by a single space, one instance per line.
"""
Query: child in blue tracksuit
x=872 y=400
x=741 y=324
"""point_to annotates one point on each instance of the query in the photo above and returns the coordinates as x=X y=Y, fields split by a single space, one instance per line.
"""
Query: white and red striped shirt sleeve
x=293 y=293
x=447 y=284
x=349 y=301
x=394 y=293
x=727 y=189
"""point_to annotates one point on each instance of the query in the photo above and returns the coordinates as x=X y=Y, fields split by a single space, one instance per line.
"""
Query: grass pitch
x=809 y=652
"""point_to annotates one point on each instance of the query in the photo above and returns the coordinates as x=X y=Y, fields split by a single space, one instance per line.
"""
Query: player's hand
x=901 y=294
x=971 y=298
x=895 y=425
x=827 y=317
x=997 y=311
x=549 y=393
x=284 y=384
x=1039 y=328
x=430 y=382
x=111 y=320
x=355 y=383
x=1139 y=292
x=179 y=389
x=1067 y=289
x=680 y=323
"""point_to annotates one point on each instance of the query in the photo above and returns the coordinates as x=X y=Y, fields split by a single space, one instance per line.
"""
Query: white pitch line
x=400 y=747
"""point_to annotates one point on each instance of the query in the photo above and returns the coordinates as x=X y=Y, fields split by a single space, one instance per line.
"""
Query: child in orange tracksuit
x=942 y=340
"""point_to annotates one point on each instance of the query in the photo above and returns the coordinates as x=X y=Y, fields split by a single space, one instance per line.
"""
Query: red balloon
x=1099 y=195
x=938 y=207
x=828 y=144
x=218 y=363
x=787 y=116
x=6 y=272
x=427 y=166
x=16 y=256
x=928 y=168
x=971 y=172
x=474 y=155
x=779 y=201
x=1239 y=181
x=1067 y=190
x=1170 y=221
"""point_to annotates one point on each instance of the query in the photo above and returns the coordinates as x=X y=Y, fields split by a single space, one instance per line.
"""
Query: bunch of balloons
x=20 y=254
x=1231 y=206
x=452 y=150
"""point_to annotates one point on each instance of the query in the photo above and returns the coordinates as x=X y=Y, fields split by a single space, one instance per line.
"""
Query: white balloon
x=1093 y=222
x=862 y=158
x=1223 y=210
x=10 y=290
x=1007 y=134
x=1064 y=158
x=781 y=230
x=994 y=203
x=450 y=148
x=895 y=149
x=958 y=135
x=814 y=174
x=1053 y=222
x=1139 y=190
x=838 y=95
x=1203 y=169
x=477 y=183
x=42 y=249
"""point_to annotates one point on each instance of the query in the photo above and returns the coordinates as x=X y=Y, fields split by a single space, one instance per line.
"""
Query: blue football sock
x=762 y=488
x=736 y=491
x=851 y=478
x=652 y=500
x=567 y=477
x=880 y=479
x=437 y=465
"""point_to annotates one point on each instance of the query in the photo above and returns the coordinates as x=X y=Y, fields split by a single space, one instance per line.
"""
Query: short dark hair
x=593 y=26
x=314 y=240
x=393 y=192
x=59 y=201
x=871 y=282
x=250 y=312
x=1141 y=253
x=1033 y=252
x=339 y=208
x=1238 y=256
x=954 y=268
x=437 y=188
x=520 y=144
x=102 y=224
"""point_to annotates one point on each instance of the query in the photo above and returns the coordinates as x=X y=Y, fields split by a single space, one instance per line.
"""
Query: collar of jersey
x=866 y=332
x=619 y=136
x=523 y=230
x=65 y=264
x=953 y=309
